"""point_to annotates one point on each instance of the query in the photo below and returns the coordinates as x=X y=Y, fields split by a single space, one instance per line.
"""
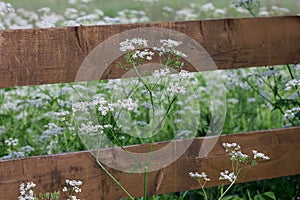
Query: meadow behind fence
x=191 y=109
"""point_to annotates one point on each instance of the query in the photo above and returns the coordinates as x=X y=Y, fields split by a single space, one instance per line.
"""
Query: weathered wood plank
x=44 y=56
x=49 y=172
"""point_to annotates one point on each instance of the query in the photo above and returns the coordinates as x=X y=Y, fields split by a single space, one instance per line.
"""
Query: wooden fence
x=46 y=56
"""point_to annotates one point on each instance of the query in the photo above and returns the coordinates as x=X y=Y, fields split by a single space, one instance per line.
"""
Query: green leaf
x=270 y=195
x=232 y=197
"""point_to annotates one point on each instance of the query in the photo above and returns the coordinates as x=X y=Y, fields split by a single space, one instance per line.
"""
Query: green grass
x=112 y=7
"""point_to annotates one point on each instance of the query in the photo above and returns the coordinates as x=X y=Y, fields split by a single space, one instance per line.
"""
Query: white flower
x=80 y=106
x=71 y=13
x=234 y=151
x=291 y=113
x=168 y=46
x=27 y=193
x=176 y=88
x=199 y=176
x=142 y=54
x=128 y=45
x=186 y=74
x=103 y=106
x=292 y=83
x=5 y=8
x=90 y=129
x=12 y=142
x=263 y=13
x=127 y=104
x=207 y=7
x=75 y=187
x=238 y=155
x=227 y=176
x=220 y=12
x=231 y=146
x=259 y=156
x=170 y=43
x=161 y=72
x=179 y=53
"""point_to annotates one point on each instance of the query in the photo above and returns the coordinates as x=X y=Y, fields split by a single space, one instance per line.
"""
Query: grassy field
x=112 y=7
x=39 y=120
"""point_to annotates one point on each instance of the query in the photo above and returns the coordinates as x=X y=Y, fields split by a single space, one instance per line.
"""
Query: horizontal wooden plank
x=49 y=172
x=44 y=56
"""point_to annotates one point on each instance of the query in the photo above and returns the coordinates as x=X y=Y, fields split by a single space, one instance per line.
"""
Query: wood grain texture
x=49 y=172
x=45 y=56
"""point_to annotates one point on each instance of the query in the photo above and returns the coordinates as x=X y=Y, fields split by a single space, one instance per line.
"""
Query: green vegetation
x=40 y=120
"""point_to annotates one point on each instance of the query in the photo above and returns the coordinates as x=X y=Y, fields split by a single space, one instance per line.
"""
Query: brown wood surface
x=49 y=172
x=44 y=56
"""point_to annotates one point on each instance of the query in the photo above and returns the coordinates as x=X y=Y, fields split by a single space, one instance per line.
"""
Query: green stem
x=257 y=91
x=146 y=169
x=123 y=148
x=145 y=182
x=202 y=187
x=232 y=183
x=273 y=104
x=146 y=86
x=290 y=71
x=292 y=77
x=169 y=108
x=251 y=12
x=112 y=177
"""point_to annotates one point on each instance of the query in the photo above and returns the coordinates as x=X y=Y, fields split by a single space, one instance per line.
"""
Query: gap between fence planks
x=49 y=172
x=45 y=56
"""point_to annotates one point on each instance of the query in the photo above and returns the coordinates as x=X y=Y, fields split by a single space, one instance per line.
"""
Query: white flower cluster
x=80 y=107
x=103 y=106
x=241 y=157
x=129 y=45
x=62 y=113
x=26 y=193
x=12 y=155
x=5 y=8
x=168 y=43
x=291 y=113
x=234 y=151
x=178 y=81
x=196 y=175
x=231 y=177
x=93 y=130
x=176 y=88
x=229 y=147
x=168 y=46
x=236 y=154
x=259 y=156
x=280 y=9
x=72 y=186
x=53 y=129
x=292 y=83
x=207 y=7
x=127 y=104
x=145 y=54
x=161 y=72
x=186 y=74
x=11 y=142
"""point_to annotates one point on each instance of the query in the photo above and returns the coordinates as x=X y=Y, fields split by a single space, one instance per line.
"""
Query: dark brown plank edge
x=49 y=172
x=45 y=56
